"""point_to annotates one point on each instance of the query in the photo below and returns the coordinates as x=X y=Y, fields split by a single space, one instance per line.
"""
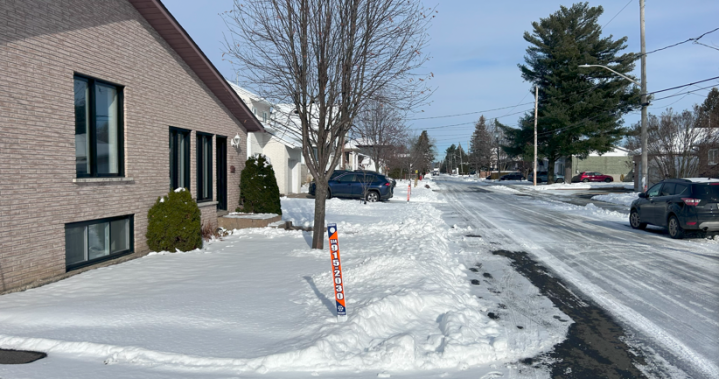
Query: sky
x=476 y=45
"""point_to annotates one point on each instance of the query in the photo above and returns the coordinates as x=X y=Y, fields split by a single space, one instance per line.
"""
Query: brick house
x=105 y=106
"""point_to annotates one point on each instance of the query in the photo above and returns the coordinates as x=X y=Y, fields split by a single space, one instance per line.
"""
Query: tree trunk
x=568 y=169
x=318 y=228
x=550 y=170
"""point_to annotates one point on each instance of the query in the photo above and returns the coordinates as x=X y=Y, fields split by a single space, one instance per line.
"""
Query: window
x=347 y=178
x=713 y=156
x=204 y=167
x=681 y=189
x=179 y=158
x=264 y=116
x=654 y=191
x=668 y=189
x=98 y=240
x=98 y=128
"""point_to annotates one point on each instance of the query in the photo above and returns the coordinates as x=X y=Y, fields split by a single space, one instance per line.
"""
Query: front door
x=221 y=173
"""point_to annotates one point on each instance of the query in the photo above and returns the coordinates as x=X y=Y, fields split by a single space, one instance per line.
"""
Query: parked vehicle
x=394 y=182
x=350 y=184
x=591 y=176
x=678 y=205
x=512 y=176
x=542 y=177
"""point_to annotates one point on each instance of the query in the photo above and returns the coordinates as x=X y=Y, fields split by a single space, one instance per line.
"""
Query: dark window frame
x=199 y=151
x=91 y=128
x=174 y=131
x=131 y=240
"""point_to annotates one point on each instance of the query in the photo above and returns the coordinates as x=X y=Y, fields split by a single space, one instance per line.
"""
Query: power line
x=474 y=122
x=678 y=43
x=465 y=114
x=683 y=85
x=685 y=93
x=615 y=16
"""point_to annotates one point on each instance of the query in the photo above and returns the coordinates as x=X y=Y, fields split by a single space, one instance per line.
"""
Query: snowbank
x=618 y=198
x=261 y=301
x=581 y=186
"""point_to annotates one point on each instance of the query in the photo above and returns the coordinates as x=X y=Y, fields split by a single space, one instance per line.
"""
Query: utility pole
x=645 y=163
x=461 y=165
x=536 y=102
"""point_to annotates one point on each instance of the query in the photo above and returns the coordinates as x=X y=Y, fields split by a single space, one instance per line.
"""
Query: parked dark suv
x=678 y=205
x=357 y=184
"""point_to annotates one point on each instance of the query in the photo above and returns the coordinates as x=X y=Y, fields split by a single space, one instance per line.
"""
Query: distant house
x=280 y=141
x=106 y=106
x=690 y=153
x=616 y=163
x=356 y=156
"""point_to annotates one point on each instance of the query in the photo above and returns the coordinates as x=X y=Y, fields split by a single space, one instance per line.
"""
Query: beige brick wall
x=42 y=45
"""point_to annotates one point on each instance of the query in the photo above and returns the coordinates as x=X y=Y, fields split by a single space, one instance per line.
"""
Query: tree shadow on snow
x=331 y=306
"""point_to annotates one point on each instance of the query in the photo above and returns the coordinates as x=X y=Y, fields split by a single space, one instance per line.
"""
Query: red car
x=590 y=176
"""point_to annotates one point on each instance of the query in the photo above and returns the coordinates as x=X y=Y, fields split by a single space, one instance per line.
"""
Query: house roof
x=170 y=30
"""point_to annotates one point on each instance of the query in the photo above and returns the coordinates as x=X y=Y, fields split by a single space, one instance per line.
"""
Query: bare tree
x=327 y=58
x=675 y=141
x=379 y=129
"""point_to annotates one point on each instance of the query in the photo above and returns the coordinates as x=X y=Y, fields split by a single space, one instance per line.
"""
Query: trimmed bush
x=174 y=223
x=258 y=187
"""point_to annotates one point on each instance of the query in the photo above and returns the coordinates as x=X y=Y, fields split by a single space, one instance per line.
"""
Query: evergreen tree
x=480 y=146
x=423 y=153
x=259 y=192
x=580 y=109
x=449 y=158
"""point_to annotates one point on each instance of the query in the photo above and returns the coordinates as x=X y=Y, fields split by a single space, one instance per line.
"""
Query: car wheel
x=559 y=181
x=607 y=180
x=329 y=194
x=675 y=229
x=635 y=222
x=372 y=196
x=585 y=180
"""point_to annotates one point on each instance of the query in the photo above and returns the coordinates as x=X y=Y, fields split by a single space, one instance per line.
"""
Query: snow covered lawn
x=260 y=303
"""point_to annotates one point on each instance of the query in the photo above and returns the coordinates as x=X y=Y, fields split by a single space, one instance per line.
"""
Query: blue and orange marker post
x=337 y=272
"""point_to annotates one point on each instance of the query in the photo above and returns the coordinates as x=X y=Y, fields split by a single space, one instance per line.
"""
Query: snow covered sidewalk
x=261 y=302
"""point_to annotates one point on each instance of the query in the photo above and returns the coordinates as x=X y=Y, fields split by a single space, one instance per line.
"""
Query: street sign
x=337 y=271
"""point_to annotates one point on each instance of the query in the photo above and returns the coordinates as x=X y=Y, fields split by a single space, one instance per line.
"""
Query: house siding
x=42 y=45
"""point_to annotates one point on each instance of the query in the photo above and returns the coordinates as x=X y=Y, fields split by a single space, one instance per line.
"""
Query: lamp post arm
x=605 y=67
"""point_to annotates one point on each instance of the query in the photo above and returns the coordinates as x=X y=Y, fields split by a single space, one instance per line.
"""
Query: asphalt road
x=664 y=293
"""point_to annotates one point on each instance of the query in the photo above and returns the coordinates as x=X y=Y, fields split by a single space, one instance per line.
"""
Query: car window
x=654 y=191
x=347 y=178
x=707 y=191
x=681 y=189
x=667 y=189
x=366 y=178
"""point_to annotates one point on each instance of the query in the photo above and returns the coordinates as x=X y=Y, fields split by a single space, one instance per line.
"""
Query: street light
x=643 y=85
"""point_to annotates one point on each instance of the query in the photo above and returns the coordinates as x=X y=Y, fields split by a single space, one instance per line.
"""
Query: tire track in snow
x=689 y=357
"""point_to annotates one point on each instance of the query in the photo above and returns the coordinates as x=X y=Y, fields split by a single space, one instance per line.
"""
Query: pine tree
x=423 y=153
x=580 y=109
x=480 y=146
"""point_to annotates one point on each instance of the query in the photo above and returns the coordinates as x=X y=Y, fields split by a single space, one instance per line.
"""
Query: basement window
x=94 y=241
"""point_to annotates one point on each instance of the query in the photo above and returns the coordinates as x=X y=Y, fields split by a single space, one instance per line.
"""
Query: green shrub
x=174 y=223
x=258 y=187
